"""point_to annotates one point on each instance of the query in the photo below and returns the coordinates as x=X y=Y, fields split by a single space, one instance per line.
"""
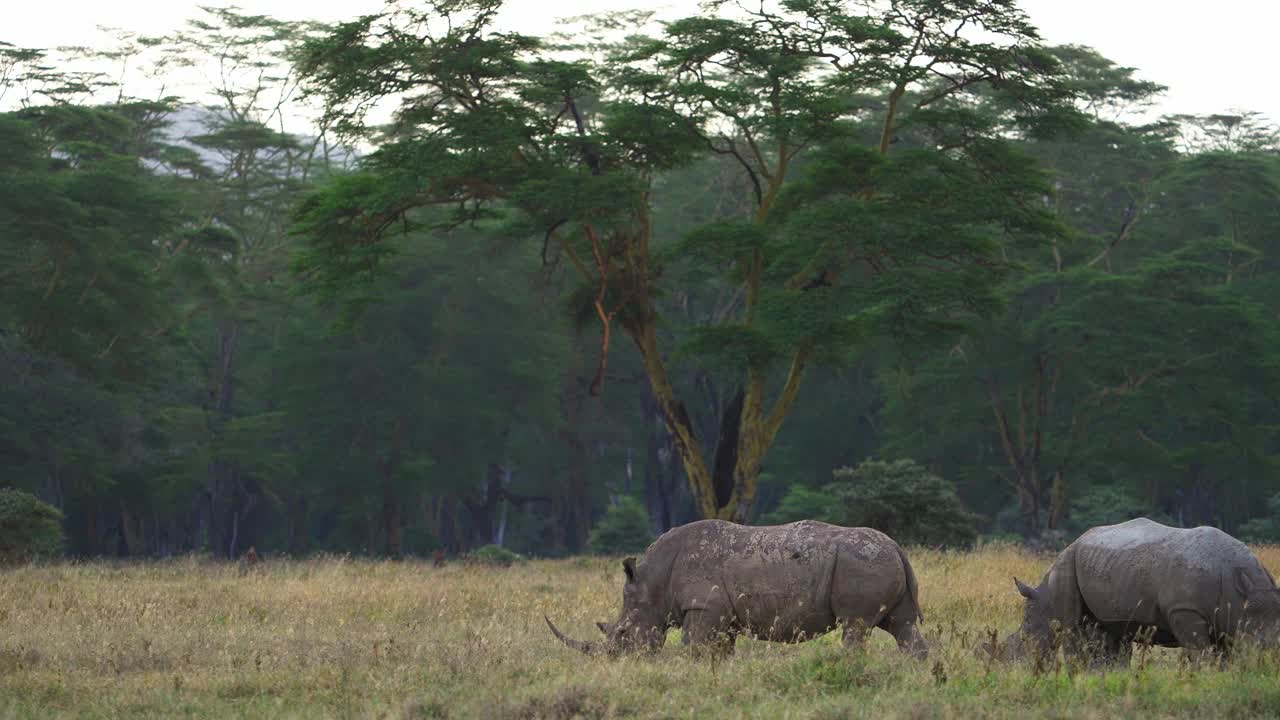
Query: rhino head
x=1035 y=635
x=643 y=622
x=1261 y=616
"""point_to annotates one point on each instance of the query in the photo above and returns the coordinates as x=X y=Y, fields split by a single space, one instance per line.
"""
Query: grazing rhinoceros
x=1197 y=587
x=788 y=583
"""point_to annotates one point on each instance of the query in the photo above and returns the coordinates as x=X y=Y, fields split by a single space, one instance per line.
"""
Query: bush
x=623 y=529
x=901 y=499
x=494 y=555
x=802 y=503
x=1265 y=529
x=1108 y=505
x=30 y=529
x=905 y=501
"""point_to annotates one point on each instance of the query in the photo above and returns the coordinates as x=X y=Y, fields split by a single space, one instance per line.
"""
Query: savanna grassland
x=354 y=638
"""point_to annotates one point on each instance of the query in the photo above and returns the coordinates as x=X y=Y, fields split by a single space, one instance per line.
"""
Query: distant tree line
x=800 y=261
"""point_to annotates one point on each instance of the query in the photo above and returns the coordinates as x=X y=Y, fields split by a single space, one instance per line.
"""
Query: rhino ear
x=1245 y=584
x=629 y=567
x=1027 y=591
x=604 y=627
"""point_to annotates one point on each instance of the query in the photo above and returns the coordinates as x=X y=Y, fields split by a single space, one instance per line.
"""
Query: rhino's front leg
x=708 y=629
x=855 y=635
x=910 y=641
x=1193 y=634
x=1117 y=648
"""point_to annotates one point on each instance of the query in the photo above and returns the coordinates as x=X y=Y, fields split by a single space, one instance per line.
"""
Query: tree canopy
x=417 y=282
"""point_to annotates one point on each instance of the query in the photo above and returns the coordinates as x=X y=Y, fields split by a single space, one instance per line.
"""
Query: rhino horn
x=580 y=646
x=1027 y=591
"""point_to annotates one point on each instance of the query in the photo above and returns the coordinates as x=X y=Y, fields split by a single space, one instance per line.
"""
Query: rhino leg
x=907 y=633
x=854 y=635
x=708 y=629
x=1193 y=633
x=1117 y=648
x=903 y=623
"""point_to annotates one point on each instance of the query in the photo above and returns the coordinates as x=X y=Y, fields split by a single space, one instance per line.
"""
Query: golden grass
x=355 y=638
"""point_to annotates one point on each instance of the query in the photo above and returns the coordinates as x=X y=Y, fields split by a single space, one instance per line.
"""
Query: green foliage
x=1265 y=528
x=494 y=556
x=30 y=529
x=899 y=498
x=958 y=250
x=905 y=501
x=830 y=242
x=623 y=529
x=803 y=503
x=1108 y=505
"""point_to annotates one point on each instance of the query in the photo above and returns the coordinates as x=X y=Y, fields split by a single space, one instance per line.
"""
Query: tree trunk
x=1029 y=507
x=222 y=472
x=1057 y=500
x=131 y=529
x=657 y=483
x=500 y=535
x=392 y=515
x=737 y=463
x=392 y=524
x=576 y=506
x=235 y=534
x=481 y=512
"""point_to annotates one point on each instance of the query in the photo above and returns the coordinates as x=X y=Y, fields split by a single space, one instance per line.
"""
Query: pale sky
x=1213 y=56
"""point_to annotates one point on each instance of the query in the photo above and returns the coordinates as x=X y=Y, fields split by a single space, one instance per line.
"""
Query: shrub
x=901 y=499
x=30 y=529
x=494 y=555
x=1108 y=505
x=802 y=503
x=1265 y=529
x=905 y=501
x=623 y=529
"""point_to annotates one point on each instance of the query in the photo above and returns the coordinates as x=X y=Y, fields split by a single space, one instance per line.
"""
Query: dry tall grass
x=348 y=638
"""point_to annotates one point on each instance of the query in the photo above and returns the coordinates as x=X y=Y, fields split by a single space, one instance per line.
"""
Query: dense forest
x=416 y=282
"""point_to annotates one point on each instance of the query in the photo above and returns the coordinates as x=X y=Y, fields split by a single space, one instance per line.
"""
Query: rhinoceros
x=788 y=583
x=1197 y=587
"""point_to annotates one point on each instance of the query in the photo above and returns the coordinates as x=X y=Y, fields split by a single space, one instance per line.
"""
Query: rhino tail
x=913 y=587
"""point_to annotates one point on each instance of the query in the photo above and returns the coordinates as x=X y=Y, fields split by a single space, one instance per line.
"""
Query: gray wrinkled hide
x=787 y=583
x=1197 y=587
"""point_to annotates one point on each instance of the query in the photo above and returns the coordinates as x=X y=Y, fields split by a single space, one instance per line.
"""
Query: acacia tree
x=852 y=234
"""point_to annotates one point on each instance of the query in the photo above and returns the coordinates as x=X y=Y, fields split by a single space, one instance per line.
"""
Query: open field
x=346 y=638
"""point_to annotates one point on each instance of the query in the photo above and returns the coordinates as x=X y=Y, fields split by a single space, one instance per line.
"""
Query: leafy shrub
x=905 y=501
x=802 y=503
x=1265 y=529
x=494 y=555
x=30 y=529
x=1108 y=505
x=623 y=529
x=900 y=498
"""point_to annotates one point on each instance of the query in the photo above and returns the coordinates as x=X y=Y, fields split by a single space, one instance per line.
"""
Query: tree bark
x=657 y=483
x=222 y=472
x=392 y=524
x=133 y=532
x=577 y=493
x=392 y=515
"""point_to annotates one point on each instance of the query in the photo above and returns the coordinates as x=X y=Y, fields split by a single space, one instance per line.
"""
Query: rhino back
x=783 y=574
x=1141 y=570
